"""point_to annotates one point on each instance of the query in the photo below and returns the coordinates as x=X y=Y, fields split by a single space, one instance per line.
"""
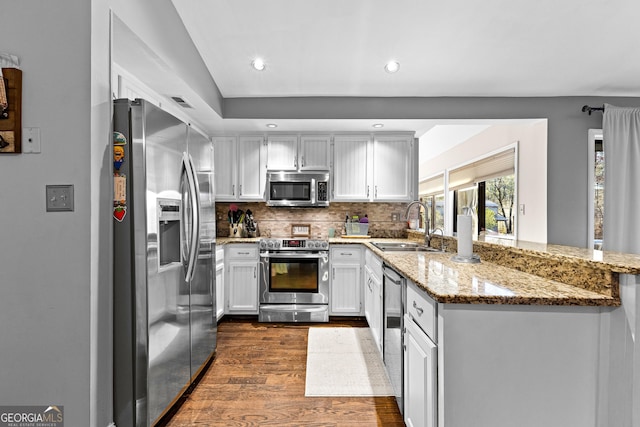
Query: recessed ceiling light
x=392 y=67
x=272 y=125
x=378 y=125
x=258 y=64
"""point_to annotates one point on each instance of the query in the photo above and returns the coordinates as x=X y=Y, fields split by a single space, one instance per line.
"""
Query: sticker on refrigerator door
x=120 y=190
x=119 y=212
x=119 y=139
x=119 y=197
x=118 y=157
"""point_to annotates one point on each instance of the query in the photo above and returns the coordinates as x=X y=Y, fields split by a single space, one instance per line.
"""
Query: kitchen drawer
x=342 y=253
x=242 y=252
x=422 y=309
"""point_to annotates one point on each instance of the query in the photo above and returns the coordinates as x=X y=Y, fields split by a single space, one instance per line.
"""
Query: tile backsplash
x=385 y=219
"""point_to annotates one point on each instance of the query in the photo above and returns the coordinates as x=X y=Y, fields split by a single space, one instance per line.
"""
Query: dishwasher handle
x=391 y=275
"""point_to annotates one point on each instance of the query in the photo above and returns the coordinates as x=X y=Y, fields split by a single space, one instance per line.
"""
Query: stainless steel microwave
x=298 y=189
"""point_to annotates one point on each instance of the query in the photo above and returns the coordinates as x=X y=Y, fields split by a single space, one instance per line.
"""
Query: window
x=498 y=206
x=466 y=198
x=488 y=187
x=596 y=188
x=431 y=192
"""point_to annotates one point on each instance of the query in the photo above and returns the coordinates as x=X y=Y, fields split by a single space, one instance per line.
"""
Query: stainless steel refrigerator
x=164 y=260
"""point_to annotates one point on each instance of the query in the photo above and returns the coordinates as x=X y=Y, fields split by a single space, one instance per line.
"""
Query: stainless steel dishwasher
x=394 y=300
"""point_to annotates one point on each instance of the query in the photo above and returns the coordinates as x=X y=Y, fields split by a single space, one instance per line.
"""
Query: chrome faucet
x=442 y=247
x=427 y=237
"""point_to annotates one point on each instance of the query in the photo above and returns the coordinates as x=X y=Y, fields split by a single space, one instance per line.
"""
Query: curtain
x=621 y=135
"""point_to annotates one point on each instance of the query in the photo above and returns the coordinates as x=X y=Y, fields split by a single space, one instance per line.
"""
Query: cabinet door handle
x=240 y=193
x=345 y=254
x=418 y=309
x=233 y=190
x=295 y=162
x=334 y=273
x=375 y=191
x=368 y=190
x=244 y=253
x=302 y=161
x=254 y=272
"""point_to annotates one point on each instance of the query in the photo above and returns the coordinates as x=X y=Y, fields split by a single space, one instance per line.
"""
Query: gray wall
x=45 y=258
x=567 y=138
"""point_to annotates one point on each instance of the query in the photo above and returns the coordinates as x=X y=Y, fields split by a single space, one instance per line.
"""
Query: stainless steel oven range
x=294 y=280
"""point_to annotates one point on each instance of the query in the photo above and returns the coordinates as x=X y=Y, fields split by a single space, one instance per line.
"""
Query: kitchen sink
x=403 y=247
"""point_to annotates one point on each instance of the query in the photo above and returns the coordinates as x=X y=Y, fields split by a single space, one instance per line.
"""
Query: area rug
x=344 y=362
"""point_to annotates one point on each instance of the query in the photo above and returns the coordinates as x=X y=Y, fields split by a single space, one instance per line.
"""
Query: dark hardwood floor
x=258 y=379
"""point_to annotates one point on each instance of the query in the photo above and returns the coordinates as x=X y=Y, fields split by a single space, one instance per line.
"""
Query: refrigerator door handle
x=195 y=211
x=192 y=232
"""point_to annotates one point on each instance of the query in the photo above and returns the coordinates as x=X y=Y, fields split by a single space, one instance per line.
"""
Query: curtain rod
x=588 y=109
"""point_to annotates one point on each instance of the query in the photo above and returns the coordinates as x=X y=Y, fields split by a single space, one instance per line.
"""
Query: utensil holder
x=236 y=231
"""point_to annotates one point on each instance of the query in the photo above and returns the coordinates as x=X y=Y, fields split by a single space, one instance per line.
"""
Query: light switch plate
x=59 y=198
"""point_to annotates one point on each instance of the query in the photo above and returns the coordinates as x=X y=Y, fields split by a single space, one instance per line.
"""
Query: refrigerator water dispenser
x=168 y=231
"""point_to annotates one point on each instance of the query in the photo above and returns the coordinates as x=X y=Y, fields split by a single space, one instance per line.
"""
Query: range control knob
x=263 y=244
x=325 y=245
x=270 y=244
x=277 y=245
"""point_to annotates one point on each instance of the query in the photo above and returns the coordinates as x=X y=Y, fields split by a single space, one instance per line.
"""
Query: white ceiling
x=446 y=48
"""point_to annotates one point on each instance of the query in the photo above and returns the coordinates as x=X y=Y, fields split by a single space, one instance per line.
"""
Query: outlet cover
x=59 y=198
x=31 y=140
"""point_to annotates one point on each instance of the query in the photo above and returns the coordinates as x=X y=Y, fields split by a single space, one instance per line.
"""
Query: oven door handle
x=290 y=255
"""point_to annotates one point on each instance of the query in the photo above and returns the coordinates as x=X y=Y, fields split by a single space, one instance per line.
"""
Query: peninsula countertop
x=564 y=275
x=448 y=281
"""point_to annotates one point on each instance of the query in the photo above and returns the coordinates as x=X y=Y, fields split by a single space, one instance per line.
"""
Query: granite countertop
x=227 y=240
x=447 y=281
x=613 y=261
x=493 y=282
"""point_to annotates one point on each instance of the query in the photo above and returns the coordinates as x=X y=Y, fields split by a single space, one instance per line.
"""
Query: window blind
x=431 y=186
x=500 y=164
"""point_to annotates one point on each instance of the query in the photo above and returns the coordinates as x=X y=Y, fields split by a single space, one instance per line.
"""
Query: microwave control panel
x=323 y=193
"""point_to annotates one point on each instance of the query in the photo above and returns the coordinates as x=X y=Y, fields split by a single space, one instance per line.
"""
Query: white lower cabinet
x=220 y=297
x=492 y=364
x=241 y=278
x=346 y=285
x=374 y=297
x=373 y=305
x=420 y=376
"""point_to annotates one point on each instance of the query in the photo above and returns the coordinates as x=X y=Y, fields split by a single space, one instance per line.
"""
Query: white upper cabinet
x=314 y=152
x=364 y=167
x=350 y=168
x=392 y=168
x=282 y=152
x=373 y=168
x=288 y=152
x=240 y=172
x=252 y=172
x=225 y=154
